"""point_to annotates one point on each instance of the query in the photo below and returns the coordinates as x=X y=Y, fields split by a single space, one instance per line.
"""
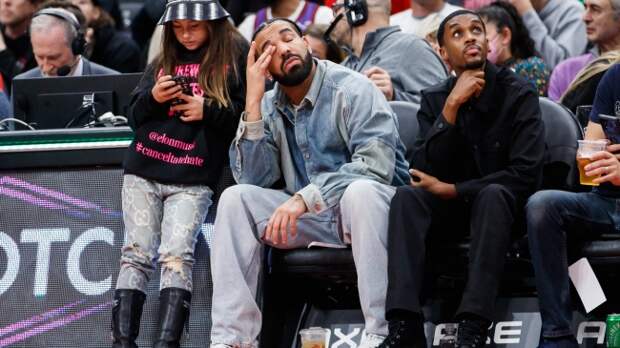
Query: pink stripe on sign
x=54 y=324
x=54 y=194
x=20 y=325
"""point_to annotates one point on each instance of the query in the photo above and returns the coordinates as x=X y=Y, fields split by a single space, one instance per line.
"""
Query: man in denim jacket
x=331 y=136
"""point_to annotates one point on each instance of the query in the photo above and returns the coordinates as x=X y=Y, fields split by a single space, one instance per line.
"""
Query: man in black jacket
x=478 y=157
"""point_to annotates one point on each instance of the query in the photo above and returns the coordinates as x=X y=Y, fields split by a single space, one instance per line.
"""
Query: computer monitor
x=63 y=102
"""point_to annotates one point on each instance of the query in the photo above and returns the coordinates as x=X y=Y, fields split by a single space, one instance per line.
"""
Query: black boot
x=126 y=314
x=173 y=313
x=405 y=332
x=472 y=332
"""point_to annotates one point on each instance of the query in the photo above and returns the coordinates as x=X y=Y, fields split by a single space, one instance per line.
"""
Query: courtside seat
x=562 y=130
x=322 y=274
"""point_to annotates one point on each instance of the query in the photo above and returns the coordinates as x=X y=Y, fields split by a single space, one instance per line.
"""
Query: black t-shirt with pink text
x=168 y=150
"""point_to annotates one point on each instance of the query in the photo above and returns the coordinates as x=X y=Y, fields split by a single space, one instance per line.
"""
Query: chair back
x=408 y=127
x=562 y=130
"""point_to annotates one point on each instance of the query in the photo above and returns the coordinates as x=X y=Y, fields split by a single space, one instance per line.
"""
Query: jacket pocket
x=492 y=153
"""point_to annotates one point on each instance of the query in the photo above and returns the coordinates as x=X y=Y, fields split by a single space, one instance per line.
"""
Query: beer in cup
x=313 y=337
x=587 y=148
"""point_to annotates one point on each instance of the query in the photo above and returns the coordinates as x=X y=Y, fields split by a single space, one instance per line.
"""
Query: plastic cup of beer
x=313 y=337
x=587 y=149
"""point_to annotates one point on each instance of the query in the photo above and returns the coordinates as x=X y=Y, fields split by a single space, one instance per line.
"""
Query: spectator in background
x=144 y=22
x=556 y=218
x=602 y=20
x=419 y=19
x=69 y=6
x=301 y=12
x=57 y=44
x=583 y=88
x=478 y=157
x=108 y=46
x=113 y=8
x=377 y=50
x=555 y=26
x=239 y=9
x=511 y=46
x=476 y=4
x=15 y=48
x=320 y=48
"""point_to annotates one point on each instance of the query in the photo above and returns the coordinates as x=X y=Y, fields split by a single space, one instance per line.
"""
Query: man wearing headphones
x=58 y=42
x=377 y=50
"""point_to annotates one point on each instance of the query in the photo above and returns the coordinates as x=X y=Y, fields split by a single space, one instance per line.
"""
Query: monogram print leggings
x=162 y=223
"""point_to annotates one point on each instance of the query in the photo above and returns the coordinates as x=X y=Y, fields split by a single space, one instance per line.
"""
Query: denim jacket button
x=307 y=156
x=440 y=126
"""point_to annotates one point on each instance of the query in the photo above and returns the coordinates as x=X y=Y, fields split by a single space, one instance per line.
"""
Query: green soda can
x=613 y=331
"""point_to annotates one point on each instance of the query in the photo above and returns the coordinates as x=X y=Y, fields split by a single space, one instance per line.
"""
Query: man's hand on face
x=432 y=184
x=469 y=84
x=284 y=219
x=522 y=6
x=256 y=74
x=382 y=80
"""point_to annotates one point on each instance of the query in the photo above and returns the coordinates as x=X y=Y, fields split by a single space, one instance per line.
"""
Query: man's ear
x=444 y=54
x=307 y=43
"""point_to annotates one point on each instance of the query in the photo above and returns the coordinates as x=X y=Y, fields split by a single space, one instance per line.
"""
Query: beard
x=475 y=65
x=297 y=74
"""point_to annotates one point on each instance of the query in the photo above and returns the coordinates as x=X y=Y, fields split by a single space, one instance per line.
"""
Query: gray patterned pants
x=361 y=219
x=162 y=223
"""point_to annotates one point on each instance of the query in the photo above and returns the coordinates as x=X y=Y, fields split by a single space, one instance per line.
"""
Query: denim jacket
x=344 y=128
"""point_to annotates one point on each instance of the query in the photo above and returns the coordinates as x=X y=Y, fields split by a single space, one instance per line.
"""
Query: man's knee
x=235 y=195
x=361 y=191
x=542 y=200
x=411 y=198
x=541 y=205
x=496 y=194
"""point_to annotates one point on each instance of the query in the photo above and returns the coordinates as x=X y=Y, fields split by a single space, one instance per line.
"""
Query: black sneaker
x=405 y=334
x=472 y=333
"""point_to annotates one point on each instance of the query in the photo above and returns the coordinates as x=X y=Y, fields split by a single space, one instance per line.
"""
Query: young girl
x=184 y=112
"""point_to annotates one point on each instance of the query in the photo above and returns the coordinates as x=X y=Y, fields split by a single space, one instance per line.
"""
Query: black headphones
x=356 y=11
x=79 y=42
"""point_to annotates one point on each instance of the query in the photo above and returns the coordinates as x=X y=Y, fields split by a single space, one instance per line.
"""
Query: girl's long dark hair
x=220 y=59
x=505 y=15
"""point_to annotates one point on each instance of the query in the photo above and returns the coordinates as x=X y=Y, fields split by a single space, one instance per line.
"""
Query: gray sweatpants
x=360 y=219
x=162 y=223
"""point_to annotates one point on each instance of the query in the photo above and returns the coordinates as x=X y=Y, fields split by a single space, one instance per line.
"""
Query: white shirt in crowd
x=323 y=15
x=421 y=26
